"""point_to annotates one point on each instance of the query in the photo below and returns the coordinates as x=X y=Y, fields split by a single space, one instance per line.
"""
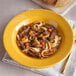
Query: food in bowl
x=38 y=39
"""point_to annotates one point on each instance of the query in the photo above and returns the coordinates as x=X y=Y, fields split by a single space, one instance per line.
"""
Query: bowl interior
x=29 y=17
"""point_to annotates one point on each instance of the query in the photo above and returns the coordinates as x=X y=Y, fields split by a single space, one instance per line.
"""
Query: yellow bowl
x=9 y=38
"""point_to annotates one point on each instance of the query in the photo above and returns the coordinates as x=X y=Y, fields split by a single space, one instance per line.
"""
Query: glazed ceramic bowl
x=26 y=17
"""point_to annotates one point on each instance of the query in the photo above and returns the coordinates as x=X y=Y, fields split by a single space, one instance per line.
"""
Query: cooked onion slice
x=35 y=49
x=56 y=41
x=46 y=53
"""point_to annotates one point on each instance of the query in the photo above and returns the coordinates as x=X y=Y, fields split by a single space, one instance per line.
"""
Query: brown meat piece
x=22 y=33
x=53 y=34
x=34 y=54
x=48 y=27
x=22 y=45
